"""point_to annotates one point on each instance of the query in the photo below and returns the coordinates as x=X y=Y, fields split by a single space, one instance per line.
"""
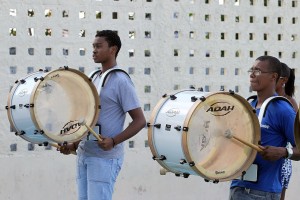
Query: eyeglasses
x=257 y=72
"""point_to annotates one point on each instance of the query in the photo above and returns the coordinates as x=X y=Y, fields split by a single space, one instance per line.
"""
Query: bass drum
x=188 y=134
x=50 y=106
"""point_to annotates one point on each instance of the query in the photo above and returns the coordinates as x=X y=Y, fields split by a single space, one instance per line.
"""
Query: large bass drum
x=50 y=106
x=188 y=134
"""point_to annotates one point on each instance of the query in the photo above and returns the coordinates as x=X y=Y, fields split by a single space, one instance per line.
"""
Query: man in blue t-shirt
x=99 y=162
x=277 y=128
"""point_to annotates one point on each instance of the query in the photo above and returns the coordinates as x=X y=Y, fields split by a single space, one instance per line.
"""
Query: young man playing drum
x=99 y=161
x=276 y=130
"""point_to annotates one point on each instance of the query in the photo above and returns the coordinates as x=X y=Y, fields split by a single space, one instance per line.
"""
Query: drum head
x=297 y=130
x=62 y=101
x=217 y=157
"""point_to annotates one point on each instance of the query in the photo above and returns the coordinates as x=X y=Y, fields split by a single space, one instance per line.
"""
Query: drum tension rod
x=191 y=164
x=173 y=97
x=22 y=81
x=164 y=96
x=13 y=107
x=214 y=181
x=202 y=98
x=182 y=161
x=36 y=79
x=155 y=125
x=20 y=133
x=193 y=98
x=162 y=157
x=178 y=128
x=231 y=92
x=28 y=105
x=185 y=175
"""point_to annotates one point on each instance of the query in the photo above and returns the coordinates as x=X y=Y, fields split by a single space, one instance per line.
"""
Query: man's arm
x=275 y=153
x=138 y=122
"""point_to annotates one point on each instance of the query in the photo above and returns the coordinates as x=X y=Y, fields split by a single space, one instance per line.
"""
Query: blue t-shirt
x=277 y=128
x=117 y=97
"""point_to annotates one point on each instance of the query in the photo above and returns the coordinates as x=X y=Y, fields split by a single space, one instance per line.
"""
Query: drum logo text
x=56 y=75
x=70 y=128
x=220 y=108
x=172 y=112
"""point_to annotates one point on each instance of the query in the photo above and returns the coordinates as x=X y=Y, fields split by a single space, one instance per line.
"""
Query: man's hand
x=273 y=153
x=106 y=144
x=67 y=149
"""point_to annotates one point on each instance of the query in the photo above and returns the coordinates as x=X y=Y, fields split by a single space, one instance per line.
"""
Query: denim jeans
x=96 y=177
x=239 y=193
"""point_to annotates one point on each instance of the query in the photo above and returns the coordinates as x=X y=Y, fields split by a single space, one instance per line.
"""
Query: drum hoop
x=153 y=116
x=297 y=130
x=251 y=158
x=97 y=103
x=9 y=99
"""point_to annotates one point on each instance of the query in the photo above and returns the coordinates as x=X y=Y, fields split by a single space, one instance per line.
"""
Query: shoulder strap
x=266 y=103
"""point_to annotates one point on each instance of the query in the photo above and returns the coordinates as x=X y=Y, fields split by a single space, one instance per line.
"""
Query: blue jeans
x=239 y=193
x=96 y=177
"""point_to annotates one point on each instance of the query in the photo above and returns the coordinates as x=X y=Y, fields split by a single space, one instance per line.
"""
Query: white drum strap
x=265 y=105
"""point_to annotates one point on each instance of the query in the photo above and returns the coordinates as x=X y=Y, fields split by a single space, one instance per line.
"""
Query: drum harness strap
x=103 y=78
x=252 y=170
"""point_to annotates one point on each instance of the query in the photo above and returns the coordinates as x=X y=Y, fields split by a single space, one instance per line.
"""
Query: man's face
x=101 y=50
x=261 y=76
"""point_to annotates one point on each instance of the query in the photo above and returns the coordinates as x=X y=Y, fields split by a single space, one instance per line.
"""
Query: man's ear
x=275 y=76
x=114 y=49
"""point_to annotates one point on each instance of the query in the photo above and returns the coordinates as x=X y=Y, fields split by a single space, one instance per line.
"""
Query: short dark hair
x=290 y=84
x=274 y=64
x=111 y=37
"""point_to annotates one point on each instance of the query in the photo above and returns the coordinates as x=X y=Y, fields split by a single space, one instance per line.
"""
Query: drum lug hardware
x=191 y=164
x=13 y=107
x=185 y=175
x=157 y=125
x=185 y=129
x=22 y=81
x=254 y=111
x=193 y=98
x=206 y=180
x=178 y=128
x=45 y=144
x=66 y=67
x=216 y=181
x=231 y=92
x=176 y=174
x=28 y=105
x=202 y=98
x=200 y=89
x=36 y=79
x=19 y=133
x=182 y=161
x=164 y=96
x=42 y=132
x=173 y=97
x=17 y=81
x=162 y=157
x=35 y=132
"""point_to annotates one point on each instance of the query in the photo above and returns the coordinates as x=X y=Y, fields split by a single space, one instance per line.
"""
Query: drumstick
x=229 y=135
x=91 y=130
x=58 y=147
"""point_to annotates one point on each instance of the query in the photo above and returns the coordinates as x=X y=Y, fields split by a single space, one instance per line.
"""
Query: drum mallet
x=91 y=130
x=229 y=135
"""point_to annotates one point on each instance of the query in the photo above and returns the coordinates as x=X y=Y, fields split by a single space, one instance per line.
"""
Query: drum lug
x=193 y=99
x=36 y=79
x=19 y=133
x=191 y=164
x=185 y=129
x=162 y=157
x=13 y=107
x=173 y=97
x=164 y=96
x=28 y=105
x=66 y=67
x=17 y=81
x=157 y=125
x=185 y=175
x=182 y=161
x=22 y=81
x=216 y=181
x=231 y=92
x=202 y=98
x=178 y=128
